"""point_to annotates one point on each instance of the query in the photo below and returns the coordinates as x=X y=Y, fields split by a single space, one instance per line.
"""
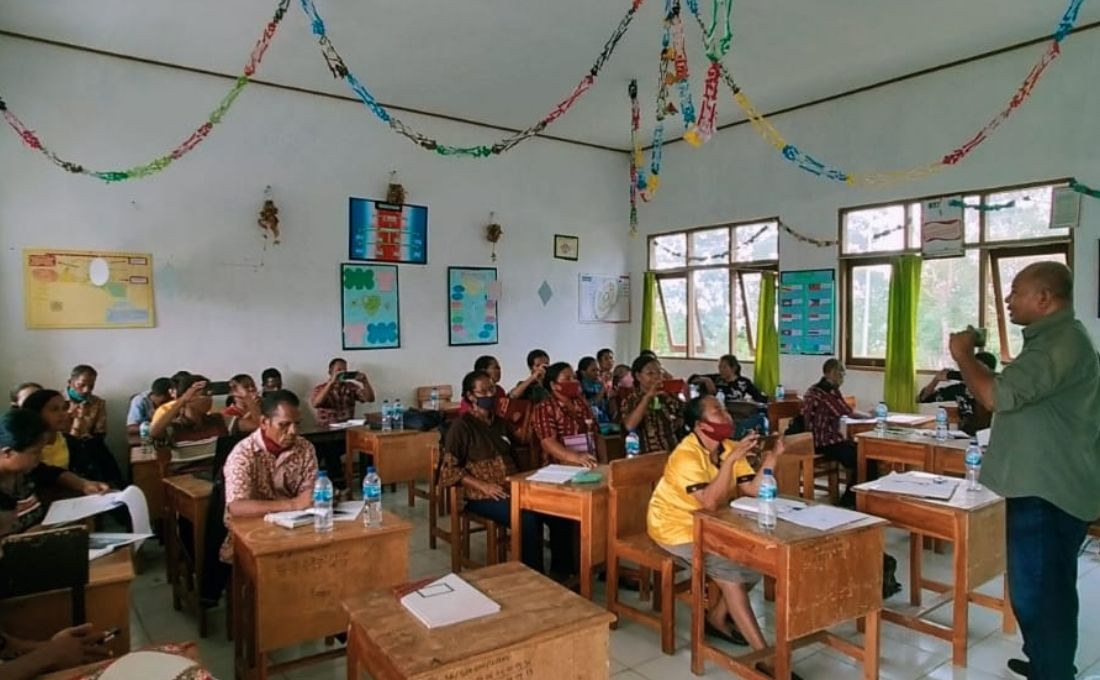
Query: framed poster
x=87 y=289
x=473 y=294
x=941 y=227
x=603 y=299
x=567 y=247
x=807 y=312
x=385 y=232
x=370 y=315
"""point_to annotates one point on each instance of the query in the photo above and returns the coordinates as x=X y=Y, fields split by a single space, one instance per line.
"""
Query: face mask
x=76 y=396
x=487 y=404
x=570 y=390
x=627 y=381
x=718 y=431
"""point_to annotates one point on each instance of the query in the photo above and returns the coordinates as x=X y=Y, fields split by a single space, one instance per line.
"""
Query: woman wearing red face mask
x=564 y=414
x=701 y=474
x=657 y=417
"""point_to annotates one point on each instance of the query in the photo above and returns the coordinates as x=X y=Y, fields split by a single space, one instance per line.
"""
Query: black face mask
x=486 y=403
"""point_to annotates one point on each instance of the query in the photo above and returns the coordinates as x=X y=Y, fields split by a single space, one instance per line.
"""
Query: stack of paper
x=75 y=509
x=447 y=601
x=199 y=449
x=347 y=511
x=823 y=517
x=347 y=424
x=290 y=519
x=555 y=474
x=921 y=484
x=751 y=504
x=908 y=419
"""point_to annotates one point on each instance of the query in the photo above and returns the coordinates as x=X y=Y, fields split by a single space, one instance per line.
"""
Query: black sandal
x=733 y=637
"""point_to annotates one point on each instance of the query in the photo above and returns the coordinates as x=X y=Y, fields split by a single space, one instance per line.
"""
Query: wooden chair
x=424 y=395
x=463 y=526
x=64 y=549
x=438 y=501
x=630 y=484
x=788 y=472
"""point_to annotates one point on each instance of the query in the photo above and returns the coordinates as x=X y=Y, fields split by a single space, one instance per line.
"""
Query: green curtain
x=649 y=307
x=900 y=389
x=766 y=372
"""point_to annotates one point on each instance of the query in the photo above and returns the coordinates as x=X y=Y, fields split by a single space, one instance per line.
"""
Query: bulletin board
x=87 y=289
x=807 y=312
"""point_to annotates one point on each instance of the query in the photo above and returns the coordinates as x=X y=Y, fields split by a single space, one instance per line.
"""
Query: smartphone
x=109 y=634
x=217 y=388
x=347 y=375
x=673 y=387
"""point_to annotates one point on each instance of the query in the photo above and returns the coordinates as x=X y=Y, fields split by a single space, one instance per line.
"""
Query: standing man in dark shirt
x=1044 y=458
x=972 y=415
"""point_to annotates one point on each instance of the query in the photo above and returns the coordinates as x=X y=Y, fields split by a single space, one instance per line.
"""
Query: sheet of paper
x=823 y=517
x=908 y=418
x=983 y=437
x=555 y=474
x=347 y=424
x=66 y=510
x=447 y=601
x=921 y=485
x=135 y=502
x=347 y=511
x=101 y=544
x=751 y=504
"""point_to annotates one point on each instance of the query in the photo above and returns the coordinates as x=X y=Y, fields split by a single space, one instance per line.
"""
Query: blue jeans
x=1042 y=543
x=561 y=534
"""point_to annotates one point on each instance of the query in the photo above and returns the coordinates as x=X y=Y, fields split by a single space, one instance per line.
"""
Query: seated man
x=242 y=408
x=702 y=473
x=184 y=428
x=972 y=415
x=531 y=388
x=144 y=405
x=822 y=408
x=272 y=380
x=273 y=469
x=87 y=411
x=334 y=400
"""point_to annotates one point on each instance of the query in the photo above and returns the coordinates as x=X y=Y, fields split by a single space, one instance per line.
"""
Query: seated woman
x=81 y=456
x=657 y=417
x=23 y=433
x=729 y=381
x=593 y=390
x=242 y=408
x=186 y=429
x=22 y=391
x=700 y=474
x=564 y=414
x=479 y=454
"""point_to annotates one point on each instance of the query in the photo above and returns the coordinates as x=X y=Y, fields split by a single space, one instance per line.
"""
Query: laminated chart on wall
x=473 y=294
x=604 y=299
x=87 y=289
x=370 y=306
x=807 y=312
x=386 y=232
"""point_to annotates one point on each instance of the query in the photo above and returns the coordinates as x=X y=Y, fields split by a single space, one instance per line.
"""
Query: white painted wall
x=225 y=302
x=738 y=177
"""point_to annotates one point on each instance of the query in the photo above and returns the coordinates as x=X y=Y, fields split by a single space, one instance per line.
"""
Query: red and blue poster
x=385 y=232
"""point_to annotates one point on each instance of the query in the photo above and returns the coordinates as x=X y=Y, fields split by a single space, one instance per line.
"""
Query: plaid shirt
x=339 y=403
x=89 y=417
x=822 y=407
x=553 y=419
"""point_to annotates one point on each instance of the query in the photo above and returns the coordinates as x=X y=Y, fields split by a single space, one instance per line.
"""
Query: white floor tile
x=633 y=644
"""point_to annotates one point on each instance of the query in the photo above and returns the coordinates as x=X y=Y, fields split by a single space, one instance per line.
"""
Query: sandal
x=734 y=636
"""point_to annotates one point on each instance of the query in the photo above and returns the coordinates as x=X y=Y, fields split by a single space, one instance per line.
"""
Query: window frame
x=1057 y=244
x=738 y=299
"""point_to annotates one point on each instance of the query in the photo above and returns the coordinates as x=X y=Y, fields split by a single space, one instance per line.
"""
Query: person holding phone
x=242 y=408
x=68 y=648
x=187 y=428
x=651 y=411
x=531 y=388
x=564 y=414
x=334 y=400
x=972 y=415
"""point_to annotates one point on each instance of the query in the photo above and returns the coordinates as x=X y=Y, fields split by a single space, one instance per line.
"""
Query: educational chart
x=472 y=297
x=807 y=312
x=370 y=310
x=604 y=299
x=941 y=228
x=384 y=232
x=87 y=289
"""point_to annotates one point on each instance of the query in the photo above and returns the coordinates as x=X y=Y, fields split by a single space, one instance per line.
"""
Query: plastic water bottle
x=387 y=423
x=433 y=400
x=762 y=418
x=881 y=413
x=633 y=444
x=780 y=393
x=322 y=503
x=145 y=432
x=721 y=397
x=941 y=424
x=372 y=497
x=694 y=391
x=765 y=501
x=397 y=415
x=973 y=462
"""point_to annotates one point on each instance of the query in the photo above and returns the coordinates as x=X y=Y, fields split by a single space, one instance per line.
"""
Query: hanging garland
x=339 y=69
x=701 y=133
x=635 y=154
x=33 y=141
x=647 y=186
x=1083 y=189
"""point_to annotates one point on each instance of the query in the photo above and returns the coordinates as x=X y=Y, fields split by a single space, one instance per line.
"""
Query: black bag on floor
x=890 y=585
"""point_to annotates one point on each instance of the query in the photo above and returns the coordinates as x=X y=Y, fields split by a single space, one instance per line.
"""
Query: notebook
x=448 y=601
x=291 y=519
x=347 y=511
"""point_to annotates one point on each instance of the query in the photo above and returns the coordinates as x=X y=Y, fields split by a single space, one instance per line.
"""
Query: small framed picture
x=567 y=247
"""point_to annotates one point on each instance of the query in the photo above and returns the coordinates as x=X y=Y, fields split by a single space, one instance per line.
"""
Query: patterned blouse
x=481 y=450
x=18 y=494
x=254 y=473
x=661 y=428
x=553 y=419
x=89 y=417
x=339 y=403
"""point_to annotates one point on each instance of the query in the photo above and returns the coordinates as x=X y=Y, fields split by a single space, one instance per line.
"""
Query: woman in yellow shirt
x=87 y=458
x=701 y=473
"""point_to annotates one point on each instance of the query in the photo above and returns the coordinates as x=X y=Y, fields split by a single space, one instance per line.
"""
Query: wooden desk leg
x=1008 y=617
x=172 y=553
x=353 y=654
x=412 y=494
x=698 y=601
x=239 y=603
x=587 y=546
x=782 y=605
x=198 y=540
x=960 y=605
x=808 y=478
x=517 y=523
x=916 y=553
x=870 y=645
x=861 y=463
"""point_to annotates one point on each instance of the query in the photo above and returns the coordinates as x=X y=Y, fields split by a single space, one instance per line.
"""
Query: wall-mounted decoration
x=603 y=299
x=545 y=292
x=370 y=306
x=473 y=294
x=87 y=289
x=269 y=216
x=941 y=228
x=387 y=232
x=807 y=312
x=567 y=247
x=1065 y=208
x=395 y=192
x=493 y=232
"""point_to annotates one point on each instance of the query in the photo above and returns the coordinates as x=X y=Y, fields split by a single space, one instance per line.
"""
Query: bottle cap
x=370 y=469
x=322 y=473
x=768 y=472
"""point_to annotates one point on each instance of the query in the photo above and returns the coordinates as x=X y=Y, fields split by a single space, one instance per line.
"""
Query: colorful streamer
x=1084 y=189
x=340 y=70
x=33 y=141
x=981 y=207
x=635 y=154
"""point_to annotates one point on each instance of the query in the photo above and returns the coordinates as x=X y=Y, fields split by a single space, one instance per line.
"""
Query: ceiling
x=508 y=62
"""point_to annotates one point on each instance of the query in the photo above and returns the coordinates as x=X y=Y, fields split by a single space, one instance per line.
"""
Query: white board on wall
x=604 y=298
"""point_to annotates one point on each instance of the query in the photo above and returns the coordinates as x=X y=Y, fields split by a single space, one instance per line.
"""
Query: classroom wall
x=736 y=176
x=227 y=301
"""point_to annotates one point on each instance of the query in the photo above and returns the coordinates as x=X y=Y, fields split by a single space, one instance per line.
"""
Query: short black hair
x=641 y=362
x=988 y=359
x=177 y=378
x=693 y=410
x=82 y=369
x=185 y=383
x=37 y=401
x=553 y=371
x=336 y=361
x=161 y=386
x=469 y=381
x=830 y=365
x=483 y=363
x=22 y=386
x=584 y=363
x=731 y=361
x=271 y=373
x=648 y=352
x=270 y=402
x=21 y=429
x=604 y=352
x=241 y=377
x=536 y=354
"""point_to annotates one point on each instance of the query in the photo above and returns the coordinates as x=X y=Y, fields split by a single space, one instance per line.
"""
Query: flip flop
x=734 y=636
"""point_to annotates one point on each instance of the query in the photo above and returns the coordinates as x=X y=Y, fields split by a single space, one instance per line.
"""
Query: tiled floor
x=635 y=649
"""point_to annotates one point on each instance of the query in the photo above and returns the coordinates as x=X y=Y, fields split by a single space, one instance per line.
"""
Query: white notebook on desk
x=823 y=517
x=448 y=601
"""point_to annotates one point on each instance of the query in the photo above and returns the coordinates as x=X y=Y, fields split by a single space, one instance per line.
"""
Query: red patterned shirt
x=822 y=407
x=553 y=419
x=339 y=403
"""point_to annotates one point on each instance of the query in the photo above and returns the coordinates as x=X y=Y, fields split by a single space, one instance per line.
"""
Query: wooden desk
x=288 y=585
x=585 y=504
x=975 y=523
x=106 y=599
x=908 y=421
x=541 y=631
x=780 y=409
x=610 y=447
x=907 y=448
x=398 y=456
x=822 y=578
x=145 y=475
x=186 y=497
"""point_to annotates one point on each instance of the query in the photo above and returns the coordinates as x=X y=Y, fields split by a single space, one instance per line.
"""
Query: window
x=708 y=285
x=955 y=292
